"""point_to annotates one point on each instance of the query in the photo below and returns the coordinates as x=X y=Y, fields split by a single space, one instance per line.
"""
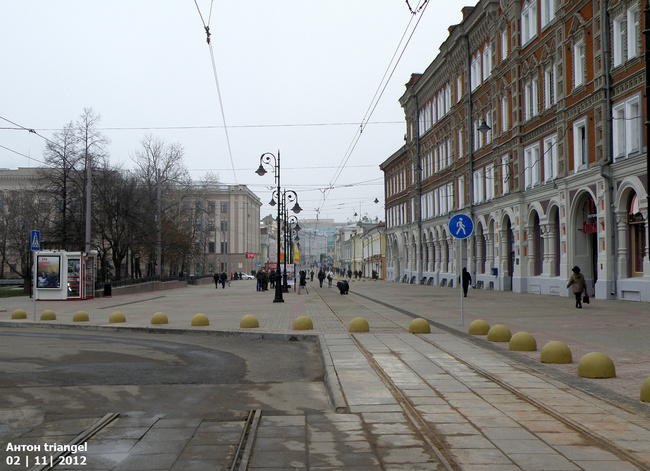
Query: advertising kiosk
x=61 y=275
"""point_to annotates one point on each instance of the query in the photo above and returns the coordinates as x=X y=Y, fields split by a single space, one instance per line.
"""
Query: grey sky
x=298 y=76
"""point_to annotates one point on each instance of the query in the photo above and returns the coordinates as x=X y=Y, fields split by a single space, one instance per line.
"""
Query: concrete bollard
x=249 y=322
x=555 y=352
x=358 y=324
x=19 y=314
x=499 y=333
x=80 y=316
x=419 y=326
x=200 y=320
x=478 y=327
x=523 y=342
x=303 y=323
x=159 y=318
x=117 y=317
x=596 y=365
x=48 y=315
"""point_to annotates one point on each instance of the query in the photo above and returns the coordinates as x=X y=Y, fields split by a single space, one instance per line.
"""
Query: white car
x=245 y=276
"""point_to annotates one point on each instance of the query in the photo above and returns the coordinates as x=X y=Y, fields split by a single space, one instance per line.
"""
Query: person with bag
x=577 y=281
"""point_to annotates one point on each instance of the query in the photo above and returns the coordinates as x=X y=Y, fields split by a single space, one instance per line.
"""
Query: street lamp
x=287 y=196
x=269 y=159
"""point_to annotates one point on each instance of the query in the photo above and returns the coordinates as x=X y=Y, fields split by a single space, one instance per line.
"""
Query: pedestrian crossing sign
x=35 y=238
x=461 y=226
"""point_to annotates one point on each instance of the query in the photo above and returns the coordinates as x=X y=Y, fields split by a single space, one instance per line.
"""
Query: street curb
x=330 y=378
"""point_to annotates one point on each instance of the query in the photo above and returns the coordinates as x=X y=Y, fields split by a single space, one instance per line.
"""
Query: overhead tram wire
x=206 y=27
x=375 y=100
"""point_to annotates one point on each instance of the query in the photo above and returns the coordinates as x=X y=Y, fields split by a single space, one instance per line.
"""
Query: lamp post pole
x=267 y=158
x=288 y=195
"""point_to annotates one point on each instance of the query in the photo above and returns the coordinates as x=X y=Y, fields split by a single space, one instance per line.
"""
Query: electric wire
x=376 y=99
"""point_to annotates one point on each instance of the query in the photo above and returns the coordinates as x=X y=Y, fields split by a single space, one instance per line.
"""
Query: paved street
x=444 y=400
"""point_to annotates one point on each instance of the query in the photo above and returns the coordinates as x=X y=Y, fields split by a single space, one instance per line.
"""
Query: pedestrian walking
x=303 y=282
x=321 y=277
x=216 y=280
x=311 y=275
x=577 y=281
x=467 y=280
x=330 y=275
x=223 y=279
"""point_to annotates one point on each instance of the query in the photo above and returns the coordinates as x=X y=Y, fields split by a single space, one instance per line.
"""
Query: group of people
x=263 y=278
x=220 y=278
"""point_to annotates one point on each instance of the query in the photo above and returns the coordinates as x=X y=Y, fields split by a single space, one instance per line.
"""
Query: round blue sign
x=461 y=226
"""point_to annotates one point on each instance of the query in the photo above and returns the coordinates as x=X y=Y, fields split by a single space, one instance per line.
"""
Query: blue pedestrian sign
x=461 y=226
x=35 y=238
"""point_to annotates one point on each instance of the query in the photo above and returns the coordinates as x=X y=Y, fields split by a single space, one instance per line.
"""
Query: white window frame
x=505 y=113
x=475 y=70
x=479 y=190
x=532 y=164
x=550 y=158
x=580 y=145
x=549 y=86
x=459 y=88
x=618 y=40
x=627 y=128
x=461 y=192
x=528 y=21
x=547 y=12
x=504 y=44
x=487 y=61
x=505 y=174
x=633 y=31
x=461 y=139
x=450 y=196
x=531 y=98
x=579 y=63
x=489 y=182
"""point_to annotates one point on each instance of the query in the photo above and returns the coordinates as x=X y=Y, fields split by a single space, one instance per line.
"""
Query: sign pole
x=461 y=227
x=35 y=245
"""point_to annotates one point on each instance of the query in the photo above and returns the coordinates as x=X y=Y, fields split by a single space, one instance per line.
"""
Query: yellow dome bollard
x=303 y=323
x=499 y=333
x=645 y=390
x=596 y=365
x=48 y=315
x=249 y=322
x=358 y=324
x=117 y=317
x=19 y=314
x=200 y=320
x=555 y=352
x=478 y=327
x=80 y=316
x=419 y=326
x=523 y=342
x=159 y=318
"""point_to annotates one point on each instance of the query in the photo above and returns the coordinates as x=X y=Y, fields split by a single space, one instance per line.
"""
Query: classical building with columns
x=530 y=120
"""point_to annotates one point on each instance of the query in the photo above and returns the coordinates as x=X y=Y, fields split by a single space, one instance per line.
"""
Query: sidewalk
x=486 y=407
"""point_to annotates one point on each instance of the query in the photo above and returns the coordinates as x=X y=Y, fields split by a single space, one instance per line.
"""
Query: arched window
x=636 y=237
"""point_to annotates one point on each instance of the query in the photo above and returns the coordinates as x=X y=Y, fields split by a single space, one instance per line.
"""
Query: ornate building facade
x=530 y=120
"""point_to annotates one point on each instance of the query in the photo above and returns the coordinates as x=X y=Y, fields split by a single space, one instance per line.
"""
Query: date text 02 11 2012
x=15 y=459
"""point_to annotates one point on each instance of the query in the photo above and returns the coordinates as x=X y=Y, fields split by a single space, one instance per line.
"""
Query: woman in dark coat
x=577 y=280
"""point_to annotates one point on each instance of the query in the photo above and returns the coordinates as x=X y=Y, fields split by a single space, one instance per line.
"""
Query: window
x=475 y=71
x=580 y=145
x=460 y=152
x=532 y=175
x=547 y=12
x=528 y=21
x=459 y=88
x=579 y=63
x=633 y=31
x=549 y=86
x=450 y=195
x=531 y=99
x=224 y=206
x=443 y=200
x=618 y=39
x=487 y=61
x=550 y=158
x=505 y=174
x=627 y=127
x=447 y=98
x=461 y=192
x=504 y=44
x=489 y=182
x=505 y=111
x=479 y=192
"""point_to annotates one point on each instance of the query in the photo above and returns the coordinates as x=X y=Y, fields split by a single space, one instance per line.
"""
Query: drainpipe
x=418 y=170
x=609 y=148
x=470 y=132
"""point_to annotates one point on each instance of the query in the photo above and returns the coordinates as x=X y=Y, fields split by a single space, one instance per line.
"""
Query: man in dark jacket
x=467 y=280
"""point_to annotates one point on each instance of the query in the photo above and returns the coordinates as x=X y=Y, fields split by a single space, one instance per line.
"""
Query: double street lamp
x=282 y=196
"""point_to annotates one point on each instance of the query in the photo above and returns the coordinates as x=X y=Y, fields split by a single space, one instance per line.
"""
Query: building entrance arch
x=585 y=239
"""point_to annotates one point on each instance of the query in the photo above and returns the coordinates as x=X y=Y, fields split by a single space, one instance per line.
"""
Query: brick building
x=530 y=121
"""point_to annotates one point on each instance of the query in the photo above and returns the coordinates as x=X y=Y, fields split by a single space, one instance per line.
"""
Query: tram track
x=437 y=443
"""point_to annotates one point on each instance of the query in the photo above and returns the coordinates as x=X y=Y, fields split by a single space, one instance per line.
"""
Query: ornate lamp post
x=287 y=196
x=270 y=159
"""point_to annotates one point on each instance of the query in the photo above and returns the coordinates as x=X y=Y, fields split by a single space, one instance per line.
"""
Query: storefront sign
x=589 y=227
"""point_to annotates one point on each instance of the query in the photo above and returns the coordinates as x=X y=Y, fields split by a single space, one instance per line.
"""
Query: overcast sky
x=298 y=76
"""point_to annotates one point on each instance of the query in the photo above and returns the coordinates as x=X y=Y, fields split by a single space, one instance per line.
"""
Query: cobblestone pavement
x=444 y=400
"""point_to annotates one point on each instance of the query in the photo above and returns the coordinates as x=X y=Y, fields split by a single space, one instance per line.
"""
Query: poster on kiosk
x=61 y=275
